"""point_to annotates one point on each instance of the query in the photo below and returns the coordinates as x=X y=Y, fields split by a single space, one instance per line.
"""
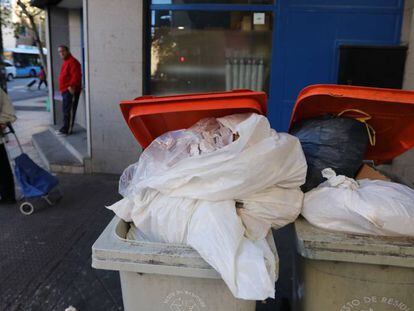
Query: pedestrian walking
x=70 y=84
x=42 y=77
x=7 y=116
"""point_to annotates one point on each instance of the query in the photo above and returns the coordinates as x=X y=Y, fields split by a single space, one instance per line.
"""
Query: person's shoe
x=7 y=201
x=61 y=133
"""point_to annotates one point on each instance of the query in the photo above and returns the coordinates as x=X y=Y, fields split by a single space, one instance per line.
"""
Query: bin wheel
x=26 y=208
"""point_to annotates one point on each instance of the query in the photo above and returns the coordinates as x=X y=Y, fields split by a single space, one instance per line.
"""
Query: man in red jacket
x=70 y=84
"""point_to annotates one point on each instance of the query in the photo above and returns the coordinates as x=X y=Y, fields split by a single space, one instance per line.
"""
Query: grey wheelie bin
x=346 y=272
x=157 y=276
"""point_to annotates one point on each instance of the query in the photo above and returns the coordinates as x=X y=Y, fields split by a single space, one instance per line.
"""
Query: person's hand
x=71 y=90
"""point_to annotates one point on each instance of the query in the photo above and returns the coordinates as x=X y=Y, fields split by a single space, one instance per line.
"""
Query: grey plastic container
x=345 y=272
x=158 y=276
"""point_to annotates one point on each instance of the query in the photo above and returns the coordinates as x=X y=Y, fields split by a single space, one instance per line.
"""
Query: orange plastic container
x=149 y=116
x=392 y=113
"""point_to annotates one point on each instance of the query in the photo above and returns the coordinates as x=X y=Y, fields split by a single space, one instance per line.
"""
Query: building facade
x=16 y=32
x=129 y=48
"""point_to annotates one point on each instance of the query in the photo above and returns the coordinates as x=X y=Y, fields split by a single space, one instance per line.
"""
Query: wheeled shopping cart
x=36 y=183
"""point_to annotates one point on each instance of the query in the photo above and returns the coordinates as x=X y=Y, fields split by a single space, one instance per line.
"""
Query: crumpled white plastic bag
x=247 y=267
x=258 y=159
x=273 y=207
x=176 y=195
x=363 y=207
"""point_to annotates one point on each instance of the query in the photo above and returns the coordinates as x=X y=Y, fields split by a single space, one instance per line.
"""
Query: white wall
x=407 y=37
x=9 y=41
x=115 y=73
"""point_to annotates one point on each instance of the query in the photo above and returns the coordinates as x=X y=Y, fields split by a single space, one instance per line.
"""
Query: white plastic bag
x=363 y=207
x=273 y=207
x=259 y=158
x=248 y=267
x=216 y=232
x=177 y=195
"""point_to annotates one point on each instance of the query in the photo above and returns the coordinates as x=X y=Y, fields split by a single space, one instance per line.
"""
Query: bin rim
x=110 y=252
x=148 y=117
x=117 y=235
x=319 y=244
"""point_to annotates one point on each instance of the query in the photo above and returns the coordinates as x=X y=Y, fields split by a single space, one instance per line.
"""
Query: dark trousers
x=6 y=176
x=70 y=104
x=31 y=83
x=41 y=82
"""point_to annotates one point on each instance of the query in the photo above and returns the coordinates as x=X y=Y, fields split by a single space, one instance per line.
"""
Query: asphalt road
x=18 y=90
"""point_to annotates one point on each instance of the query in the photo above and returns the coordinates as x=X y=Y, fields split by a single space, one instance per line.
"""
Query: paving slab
x=76 y=143
x=45 y=258
x=56 y=156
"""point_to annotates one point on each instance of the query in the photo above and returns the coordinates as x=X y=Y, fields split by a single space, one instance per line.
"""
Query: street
x=18 y=90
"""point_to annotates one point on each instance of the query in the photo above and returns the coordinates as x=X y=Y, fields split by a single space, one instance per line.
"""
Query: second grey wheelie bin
x=338 y=271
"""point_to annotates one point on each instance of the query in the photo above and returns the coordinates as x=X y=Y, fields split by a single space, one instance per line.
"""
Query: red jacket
x=70 y=75
x=42 y=75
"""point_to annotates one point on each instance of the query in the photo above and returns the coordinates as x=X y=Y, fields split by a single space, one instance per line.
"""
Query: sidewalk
x=32 y=104
x=45 y=258
x=28 y=123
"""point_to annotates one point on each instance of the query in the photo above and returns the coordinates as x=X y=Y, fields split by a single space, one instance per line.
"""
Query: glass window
x=200 y=51
x=251 y=2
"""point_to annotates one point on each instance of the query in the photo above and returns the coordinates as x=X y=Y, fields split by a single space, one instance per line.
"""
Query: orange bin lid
x=149 y=116
x=392 y=113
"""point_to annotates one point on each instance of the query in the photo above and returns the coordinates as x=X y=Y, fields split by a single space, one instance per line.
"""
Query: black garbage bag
x=329 y=141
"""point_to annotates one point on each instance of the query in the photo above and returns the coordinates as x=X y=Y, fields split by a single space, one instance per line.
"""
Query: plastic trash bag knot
x=339 y=181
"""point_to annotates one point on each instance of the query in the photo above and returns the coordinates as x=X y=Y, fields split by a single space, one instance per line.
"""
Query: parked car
x=10 y=71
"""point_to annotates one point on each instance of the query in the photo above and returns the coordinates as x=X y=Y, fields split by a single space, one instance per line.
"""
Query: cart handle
x=12 y=131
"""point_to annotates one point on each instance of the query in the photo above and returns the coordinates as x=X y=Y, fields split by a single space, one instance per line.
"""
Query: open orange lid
x=391 y=111
x=149 y=116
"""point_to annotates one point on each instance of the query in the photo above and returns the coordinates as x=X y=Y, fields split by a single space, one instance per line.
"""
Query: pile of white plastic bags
x=218 y=186
x=374 y=207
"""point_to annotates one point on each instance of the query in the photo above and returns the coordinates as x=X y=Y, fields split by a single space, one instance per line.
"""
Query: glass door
x=208 y=47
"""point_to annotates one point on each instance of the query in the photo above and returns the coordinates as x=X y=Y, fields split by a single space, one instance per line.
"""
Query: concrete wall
x=407 y=37
x=59 y=34
x=402 y=167
x=75 y=45
x=115 y=73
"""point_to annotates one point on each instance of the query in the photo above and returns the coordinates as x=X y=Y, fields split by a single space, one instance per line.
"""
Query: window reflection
x=194 y=51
